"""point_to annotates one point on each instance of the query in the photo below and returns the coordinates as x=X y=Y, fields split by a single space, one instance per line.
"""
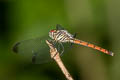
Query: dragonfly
x=37 y=51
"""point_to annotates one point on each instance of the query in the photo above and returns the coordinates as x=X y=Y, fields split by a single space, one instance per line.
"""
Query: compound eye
x=52 y=30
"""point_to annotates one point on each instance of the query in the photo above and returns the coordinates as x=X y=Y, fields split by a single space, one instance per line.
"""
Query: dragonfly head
x=51 y=33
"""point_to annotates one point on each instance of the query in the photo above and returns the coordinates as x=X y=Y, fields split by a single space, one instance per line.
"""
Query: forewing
x=35 y=50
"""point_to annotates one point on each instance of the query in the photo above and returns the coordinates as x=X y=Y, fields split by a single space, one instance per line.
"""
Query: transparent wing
x=35 y=50
x=59 y=27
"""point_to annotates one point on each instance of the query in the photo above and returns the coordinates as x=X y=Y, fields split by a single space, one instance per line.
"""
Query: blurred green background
x=94 y=21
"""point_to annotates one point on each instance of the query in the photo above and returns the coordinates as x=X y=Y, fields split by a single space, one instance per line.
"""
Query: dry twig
x=53 y=51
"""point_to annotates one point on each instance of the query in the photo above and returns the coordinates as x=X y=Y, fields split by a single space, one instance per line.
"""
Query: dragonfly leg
x=58 y=47
x=62 y=49
x=60 y=44
x=53 y=42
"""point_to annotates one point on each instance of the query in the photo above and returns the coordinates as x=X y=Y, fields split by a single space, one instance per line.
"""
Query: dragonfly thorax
x=60 y=35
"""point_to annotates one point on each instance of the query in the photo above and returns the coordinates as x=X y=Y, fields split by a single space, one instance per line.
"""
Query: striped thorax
x=60 y=35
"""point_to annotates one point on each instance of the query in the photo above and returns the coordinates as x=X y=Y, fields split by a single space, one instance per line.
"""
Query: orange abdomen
x=76 y=41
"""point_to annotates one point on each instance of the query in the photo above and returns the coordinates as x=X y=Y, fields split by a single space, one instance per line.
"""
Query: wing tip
x=15 y=47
